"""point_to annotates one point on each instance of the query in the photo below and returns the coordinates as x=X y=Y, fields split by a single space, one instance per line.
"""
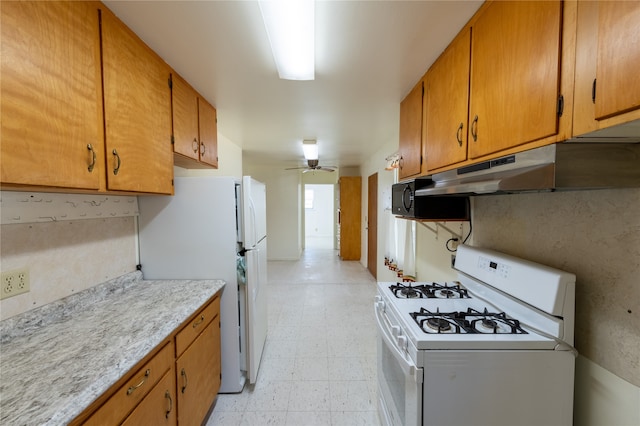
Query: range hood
x=557 y=167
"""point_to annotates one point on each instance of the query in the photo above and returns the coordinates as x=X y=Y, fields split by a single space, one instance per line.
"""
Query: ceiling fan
x=312 y=165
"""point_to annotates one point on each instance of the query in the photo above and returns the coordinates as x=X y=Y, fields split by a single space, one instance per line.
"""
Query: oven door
x=399 y=380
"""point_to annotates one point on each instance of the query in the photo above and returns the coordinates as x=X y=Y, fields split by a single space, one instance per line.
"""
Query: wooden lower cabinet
x=198 y=376
x=159 y=406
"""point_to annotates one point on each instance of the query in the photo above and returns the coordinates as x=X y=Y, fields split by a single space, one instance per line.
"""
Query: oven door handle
x=407 y=366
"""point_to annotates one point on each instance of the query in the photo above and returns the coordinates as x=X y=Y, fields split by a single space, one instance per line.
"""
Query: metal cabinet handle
x=459 y=134
x=203 y=148
x=167 y=395
x=93 y=160
x=194 y=145
x=117 y=168
x=200 y=321
x=144 y=379
x=474 y=128
x=184 y=380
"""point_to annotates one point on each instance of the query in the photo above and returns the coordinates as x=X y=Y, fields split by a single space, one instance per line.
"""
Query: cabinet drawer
x=134 y=390
x=190 y=331
x=159 y=406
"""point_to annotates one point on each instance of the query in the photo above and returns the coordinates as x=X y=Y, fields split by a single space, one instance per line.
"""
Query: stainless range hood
x=557 y=167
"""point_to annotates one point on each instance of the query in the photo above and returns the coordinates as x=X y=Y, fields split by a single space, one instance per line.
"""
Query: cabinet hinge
x=593 y=91
x=173 y=140
x=170 y=82
x=560 y=108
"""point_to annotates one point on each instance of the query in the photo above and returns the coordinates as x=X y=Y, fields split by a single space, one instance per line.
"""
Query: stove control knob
x=379 y=305
x=402 y=342
x=395 y=331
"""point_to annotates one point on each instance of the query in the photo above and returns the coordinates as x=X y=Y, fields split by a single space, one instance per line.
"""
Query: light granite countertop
x=57 y=359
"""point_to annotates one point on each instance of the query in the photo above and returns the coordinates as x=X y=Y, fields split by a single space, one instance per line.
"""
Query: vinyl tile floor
x=319 y=361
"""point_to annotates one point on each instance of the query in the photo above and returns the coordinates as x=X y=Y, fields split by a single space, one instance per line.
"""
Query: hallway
x=319 y=366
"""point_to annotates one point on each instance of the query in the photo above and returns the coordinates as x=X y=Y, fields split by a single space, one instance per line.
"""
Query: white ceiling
x=369 y=54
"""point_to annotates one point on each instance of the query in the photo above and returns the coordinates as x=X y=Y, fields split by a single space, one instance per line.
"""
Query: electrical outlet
x=14 y=282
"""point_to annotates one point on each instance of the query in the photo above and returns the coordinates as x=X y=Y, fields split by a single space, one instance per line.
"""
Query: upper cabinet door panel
x=618 y=58
x=411 y=133
x=515 y=68
x=137 y=101
x=208 y=133
x=446 y=105
x=185 y=118
x=51 y=96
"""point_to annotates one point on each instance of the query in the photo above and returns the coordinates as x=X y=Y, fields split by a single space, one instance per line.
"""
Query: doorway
x=319 y=216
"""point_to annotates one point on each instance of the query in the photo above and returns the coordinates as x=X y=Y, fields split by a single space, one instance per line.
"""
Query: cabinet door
x=411 y=133
x=446 y=105
x=618 y=58
x=51 y=98
x=198 y=375
x=515 y=68
x=158 y=408
x=208 y=133
x=185 y=118
x=137 y=104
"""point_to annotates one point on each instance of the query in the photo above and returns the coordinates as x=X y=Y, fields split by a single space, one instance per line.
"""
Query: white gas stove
x=494 y=347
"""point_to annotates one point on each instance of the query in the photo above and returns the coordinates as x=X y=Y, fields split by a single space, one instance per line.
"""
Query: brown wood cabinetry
x=411 y=133
x=51 y=98
x=607 y=87
x=515 y=74
x=56 y=59
x=195 y=130
x=137 y=109
x=350 y=221
x=446 y=105
x=175 y=384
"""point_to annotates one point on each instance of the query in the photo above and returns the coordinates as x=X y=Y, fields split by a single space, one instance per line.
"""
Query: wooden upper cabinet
x=411 y=133
x=446 y=104
x=51 y=98
x=618 y=58
x=137 y=105
x=195 y=129
x=515 y=75
x=185 y=118
x=208 y=133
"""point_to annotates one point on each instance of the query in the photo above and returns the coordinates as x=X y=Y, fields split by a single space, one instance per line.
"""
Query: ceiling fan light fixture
x=310 y=149
x=290 y=26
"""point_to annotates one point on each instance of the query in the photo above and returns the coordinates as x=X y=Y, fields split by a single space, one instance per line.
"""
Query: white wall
x=318 y=221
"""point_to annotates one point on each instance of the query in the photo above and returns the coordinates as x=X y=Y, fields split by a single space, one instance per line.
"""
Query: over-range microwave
x=404 y=203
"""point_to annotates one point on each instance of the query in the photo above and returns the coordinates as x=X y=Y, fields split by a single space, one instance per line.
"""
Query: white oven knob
x=395 y=331
x=402 y=342
x=379 y=305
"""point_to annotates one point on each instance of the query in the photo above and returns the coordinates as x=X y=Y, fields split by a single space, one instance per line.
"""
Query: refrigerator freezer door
x=254 y=205
x=256 y=295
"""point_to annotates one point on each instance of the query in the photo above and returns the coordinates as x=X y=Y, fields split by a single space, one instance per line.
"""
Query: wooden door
x=208 y=133
x=372 y=225
x=515 y=69
x=184 y=100
x=411 y=133
x=350 y=217
x=618 y=58
x=137 y=105
x=198 y=376
x=446 y=105
x=51 y=97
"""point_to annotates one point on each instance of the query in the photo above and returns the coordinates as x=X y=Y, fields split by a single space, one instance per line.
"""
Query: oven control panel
x=500 y=269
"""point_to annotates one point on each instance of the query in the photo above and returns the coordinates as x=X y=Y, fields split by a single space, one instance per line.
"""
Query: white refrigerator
x=202 y=232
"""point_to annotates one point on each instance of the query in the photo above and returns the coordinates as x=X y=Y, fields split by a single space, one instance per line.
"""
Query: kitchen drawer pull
x=144 y=379
x=117 y=168
x=184 y=380
x=203 y=148
x=459 y=134
x=93 y=160
x=168 y=396
x=474 y=128
x=194 y=145
x=200 y=321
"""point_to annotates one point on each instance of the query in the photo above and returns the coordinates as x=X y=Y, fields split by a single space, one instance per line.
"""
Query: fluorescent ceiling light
x=310 y=149
x=290 y=27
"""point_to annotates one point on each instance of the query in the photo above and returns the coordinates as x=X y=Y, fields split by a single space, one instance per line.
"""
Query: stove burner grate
x=429 y=291
x=471 y=322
